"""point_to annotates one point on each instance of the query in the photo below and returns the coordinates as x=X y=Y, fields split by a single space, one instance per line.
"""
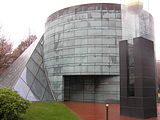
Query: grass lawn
x=49 y=111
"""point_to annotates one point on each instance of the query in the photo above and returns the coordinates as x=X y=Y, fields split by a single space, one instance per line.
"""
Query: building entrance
x=91 y=88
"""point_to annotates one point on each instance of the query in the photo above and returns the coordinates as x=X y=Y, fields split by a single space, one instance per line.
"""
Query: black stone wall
x=141 y=104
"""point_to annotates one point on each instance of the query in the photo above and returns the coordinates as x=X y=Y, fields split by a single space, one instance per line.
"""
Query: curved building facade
x=81 y=51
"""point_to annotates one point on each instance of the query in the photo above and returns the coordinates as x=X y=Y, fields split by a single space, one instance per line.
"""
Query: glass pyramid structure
x=27 y=75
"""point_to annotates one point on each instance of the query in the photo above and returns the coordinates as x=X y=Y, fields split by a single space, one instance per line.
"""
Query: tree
x=23 y=46
x=11 y=104
x=5 y=54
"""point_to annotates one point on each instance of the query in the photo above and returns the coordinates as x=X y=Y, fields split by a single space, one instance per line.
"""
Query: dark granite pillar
x=137 y=79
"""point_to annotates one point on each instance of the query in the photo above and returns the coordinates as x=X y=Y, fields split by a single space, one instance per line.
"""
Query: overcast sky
x=18 y=17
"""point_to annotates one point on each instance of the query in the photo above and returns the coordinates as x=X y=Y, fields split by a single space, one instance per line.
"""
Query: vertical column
x=145 y=85
x=137 y=79
x=123 y=51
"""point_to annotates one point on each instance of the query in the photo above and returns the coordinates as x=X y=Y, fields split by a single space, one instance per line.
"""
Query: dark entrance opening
x=91 y=88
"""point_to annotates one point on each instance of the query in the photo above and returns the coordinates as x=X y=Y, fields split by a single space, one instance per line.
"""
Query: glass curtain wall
x=82 y=40
x=27 y=76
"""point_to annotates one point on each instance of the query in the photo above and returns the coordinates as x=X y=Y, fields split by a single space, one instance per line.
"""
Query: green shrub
x=11 y=104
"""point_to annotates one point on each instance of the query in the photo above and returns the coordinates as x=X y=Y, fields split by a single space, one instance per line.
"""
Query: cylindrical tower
x=81 y=52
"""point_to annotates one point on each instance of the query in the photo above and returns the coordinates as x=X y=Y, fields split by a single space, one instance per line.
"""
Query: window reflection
x=21 y=88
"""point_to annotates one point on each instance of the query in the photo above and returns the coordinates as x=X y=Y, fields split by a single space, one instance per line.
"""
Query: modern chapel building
x=77 y=58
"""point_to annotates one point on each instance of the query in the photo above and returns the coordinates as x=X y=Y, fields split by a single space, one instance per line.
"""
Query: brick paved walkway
x=96 y=111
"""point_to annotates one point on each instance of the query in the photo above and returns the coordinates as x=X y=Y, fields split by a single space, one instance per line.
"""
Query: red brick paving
x=96 y=111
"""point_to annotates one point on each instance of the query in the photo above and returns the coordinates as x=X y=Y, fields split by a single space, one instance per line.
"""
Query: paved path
x=96 y=111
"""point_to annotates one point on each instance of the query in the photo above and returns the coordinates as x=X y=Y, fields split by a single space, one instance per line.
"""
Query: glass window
x=108 y=40
x=112 y=32
x=106 y=69
x=68 y=51
x=95 y=15
x=58 y=78
x=105 y=23
x=113 y=59
x=97 y=49
x=97 y=69
x=94 y=32
x=97 y=40
x=91 y=59
x=29 y=78
x=83 y=41
x=57 y=70
x=84 y=59
x=50 y=70
x=68 y=34
x=64 y=69
x=105 y=15
x=23 y=75
x=78 y=59
x=80 y=32
x=118 y=24
x=118 y=32
x=77 y=68
x=39 y=49
x=118 y=15
x=105 y=59
x=91 y=50
x=89 y=97
x=113 y=69
x=37 y=58
x=71 y=43
x=84 y=69
x=80 y=41
x=80 y=50
x=90 y=40
x=69 y=26
x=41 y=77
x=81 y=16
x=37 y=89
x=32 y=97
x=112 y=24
x=81 y=24
x=47 y=96
x=90 y=69
x=32 y=66
x=112 y=50
x=95 y=23
x=88 y=88
x=68 y=60
x=21 y=88
x=105 y=32
x=112 y=14
x=70 y=69
x=57 y=86
x=58 y=28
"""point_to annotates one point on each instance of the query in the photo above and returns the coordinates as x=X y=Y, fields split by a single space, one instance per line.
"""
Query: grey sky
x=18 y=16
